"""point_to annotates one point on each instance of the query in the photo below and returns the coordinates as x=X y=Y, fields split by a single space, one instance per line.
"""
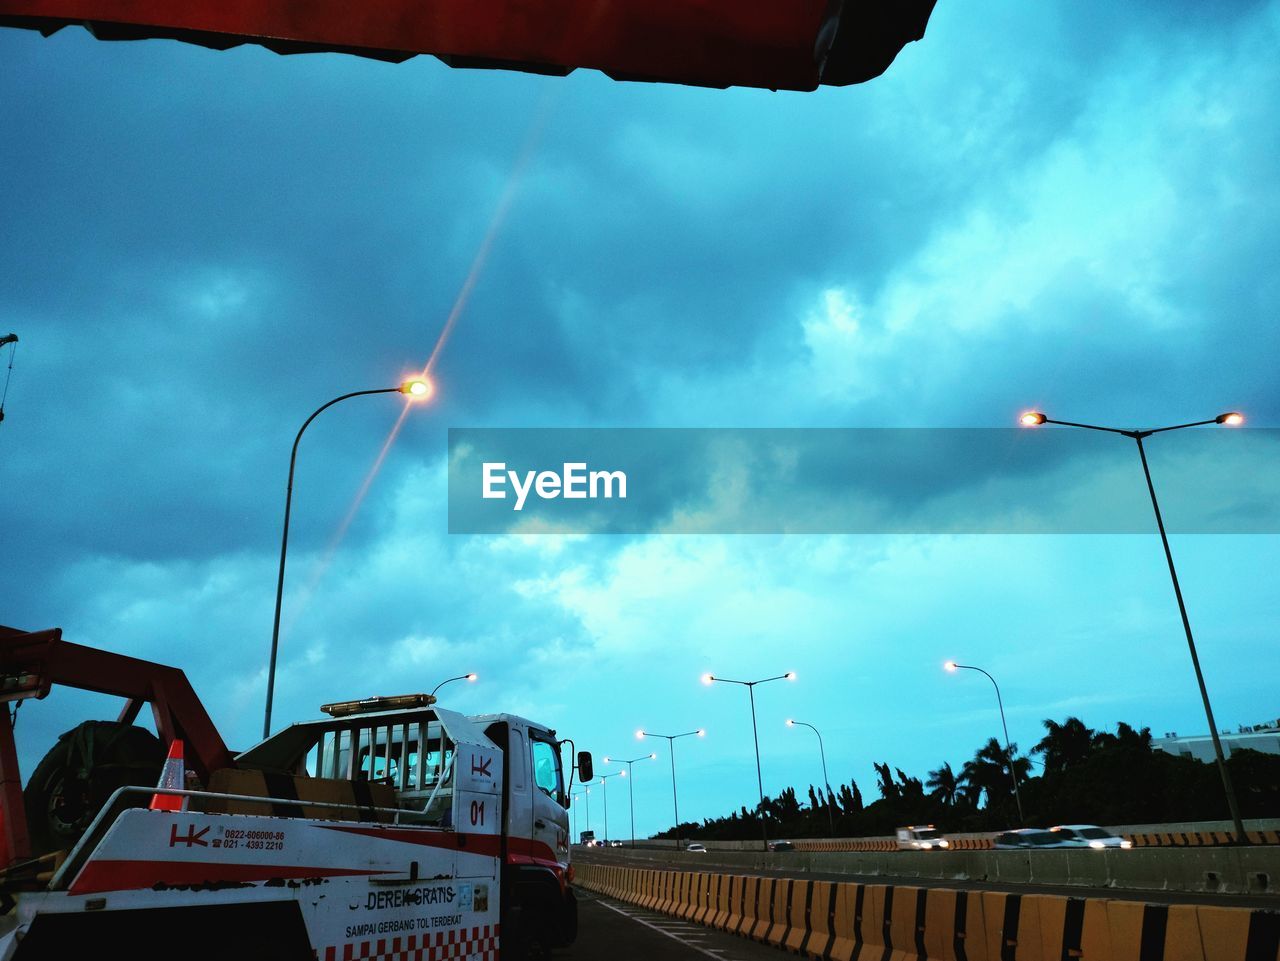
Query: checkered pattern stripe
x=458 y=944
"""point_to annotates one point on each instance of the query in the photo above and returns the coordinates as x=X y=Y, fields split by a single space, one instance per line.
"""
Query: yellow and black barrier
x=1195 y=839
x=849 y=921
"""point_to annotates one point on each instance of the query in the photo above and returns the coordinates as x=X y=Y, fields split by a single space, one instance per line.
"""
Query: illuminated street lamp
x=831 y=823
x=952 y=666
x=710 y=679
x=671 y=745
x=460 y=677
x=631 y=787
x=418 y=390
x=1231 y=418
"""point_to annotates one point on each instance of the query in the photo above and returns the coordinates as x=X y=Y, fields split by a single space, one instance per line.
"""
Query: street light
x=671 y=745
x=710 y=679
x=831 y=823
x=460 y=677
x=631 y=787
x=574 y=810
x=1230 y=418
x=604 y=787
x=952 y=666
x=418 y=389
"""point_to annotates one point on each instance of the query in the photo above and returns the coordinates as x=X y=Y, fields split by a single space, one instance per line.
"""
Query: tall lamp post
x=952 y=666
x=671 y=745
x=414 y=389
x=461 y=677
x=631 y=786
x=709 y=679
x=831 y=823
x=604 y=788
x=574 y=810
x=1229 y=419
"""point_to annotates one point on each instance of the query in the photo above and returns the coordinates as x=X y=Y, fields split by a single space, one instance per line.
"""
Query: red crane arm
x=31 y=663
x=775 y=44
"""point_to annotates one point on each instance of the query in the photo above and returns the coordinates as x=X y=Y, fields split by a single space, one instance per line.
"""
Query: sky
x=1067 y=206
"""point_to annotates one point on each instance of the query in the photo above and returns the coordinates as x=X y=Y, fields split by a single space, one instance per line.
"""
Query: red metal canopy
x=775 y=44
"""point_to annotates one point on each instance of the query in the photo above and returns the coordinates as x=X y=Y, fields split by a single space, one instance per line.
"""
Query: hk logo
x=481 y=768
x=191 y=837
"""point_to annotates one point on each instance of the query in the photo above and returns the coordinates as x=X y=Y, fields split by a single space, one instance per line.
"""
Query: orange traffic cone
x=172 y=776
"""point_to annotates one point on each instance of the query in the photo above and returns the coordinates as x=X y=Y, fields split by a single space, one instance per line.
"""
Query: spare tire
x=74 y=780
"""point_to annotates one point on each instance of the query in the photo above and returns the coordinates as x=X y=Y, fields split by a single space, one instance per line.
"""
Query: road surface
x=610 y=930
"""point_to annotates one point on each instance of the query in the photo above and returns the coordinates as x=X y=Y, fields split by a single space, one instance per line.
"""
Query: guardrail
x=1217 y=870
x=845 y=920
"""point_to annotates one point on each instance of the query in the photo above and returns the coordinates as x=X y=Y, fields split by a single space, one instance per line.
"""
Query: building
x=1263 y=737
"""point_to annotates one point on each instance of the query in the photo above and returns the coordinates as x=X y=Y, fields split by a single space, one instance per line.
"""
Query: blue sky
x=1062 y=205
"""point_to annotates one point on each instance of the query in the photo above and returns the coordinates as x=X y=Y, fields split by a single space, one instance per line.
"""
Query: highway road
x=610 y=930
x=644 y=859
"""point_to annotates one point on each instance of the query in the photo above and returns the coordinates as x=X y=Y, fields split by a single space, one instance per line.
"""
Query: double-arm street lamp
x=671 y=745
x=709 y=679
x=831 y=823
x=1229 y=419
x=631 y=786
x=461 y=677
x=413 y=390
x=573 y=809
x=604 y=789
x=952 y=666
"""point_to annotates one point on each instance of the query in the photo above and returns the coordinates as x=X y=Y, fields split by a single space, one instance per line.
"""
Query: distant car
x=615 y=844
x=1032 y=838
x=697 y=848
x=1089 y=836
x=781 y=846
x=921 y=838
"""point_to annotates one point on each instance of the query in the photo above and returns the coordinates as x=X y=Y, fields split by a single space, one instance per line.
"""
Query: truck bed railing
x=108 y=813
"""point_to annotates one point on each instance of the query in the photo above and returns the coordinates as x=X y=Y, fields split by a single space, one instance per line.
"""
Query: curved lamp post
x=461 y=677
x=631 y=789
x=671 y=745
x=709 y=679
x=831 y=823
x=952 y=666
x=1231 y=418
x=413 y=389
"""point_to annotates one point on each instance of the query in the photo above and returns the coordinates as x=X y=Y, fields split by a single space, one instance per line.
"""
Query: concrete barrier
x=845 y=920
x=1233 y=870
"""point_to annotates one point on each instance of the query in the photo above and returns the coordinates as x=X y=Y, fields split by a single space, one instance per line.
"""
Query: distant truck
x=921 y=838
x=587 y=838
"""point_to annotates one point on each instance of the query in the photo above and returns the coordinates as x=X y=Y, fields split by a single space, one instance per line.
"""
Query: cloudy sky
x=1063 y=205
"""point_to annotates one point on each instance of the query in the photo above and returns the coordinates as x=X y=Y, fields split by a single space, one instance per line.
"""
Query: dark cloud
x=1070 y=207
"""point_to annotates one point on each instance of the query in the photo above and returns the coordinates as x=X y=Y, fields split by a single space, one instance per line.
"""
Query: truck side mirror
x=586 y=771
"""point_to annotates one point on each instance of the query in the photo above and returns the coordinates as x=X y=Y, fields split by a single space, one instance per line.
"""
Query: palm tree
x=991 y=772
x=1065 y=745
x=942 y=784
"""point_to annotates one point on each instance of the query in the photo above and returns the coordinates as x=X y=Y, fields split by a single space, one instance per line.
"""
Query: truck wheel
x=73 y=781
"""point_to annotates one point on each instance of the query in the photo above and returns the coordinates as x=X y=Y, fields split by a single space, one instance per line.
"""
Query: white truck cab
x=921 y=838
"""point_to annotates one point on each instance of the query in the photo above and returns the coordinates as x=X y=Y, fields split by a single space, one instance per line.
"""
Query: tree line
x=1085 y=776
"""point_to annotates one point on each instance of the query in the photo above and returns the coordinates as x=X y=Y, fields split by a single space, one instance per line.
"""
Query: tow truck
x=391 y=828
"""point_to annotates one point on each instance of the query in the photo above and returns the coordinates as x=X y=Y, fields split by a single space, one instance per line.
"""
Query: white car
x=1089 y=836
x=1032 y=838
x=696 y=848
x=921 y=838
